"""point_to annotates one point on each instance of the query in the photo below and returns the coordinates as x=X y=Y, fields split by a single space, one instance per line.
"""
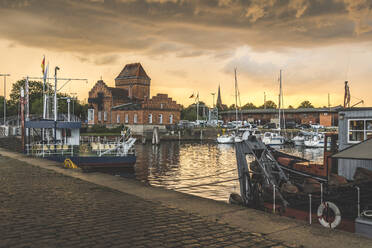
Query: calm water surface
x=194 y=168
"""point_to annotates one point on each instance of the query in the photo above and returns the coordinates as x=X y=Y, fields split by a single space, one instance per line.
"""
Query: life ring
x=336 y=211
x=69 y=164
x=367 y=213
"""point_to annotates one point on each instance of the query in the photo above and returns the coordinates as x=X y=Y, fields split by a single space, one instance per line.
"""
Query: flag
x=43 y=65
x=192 y=95
x=46 y=72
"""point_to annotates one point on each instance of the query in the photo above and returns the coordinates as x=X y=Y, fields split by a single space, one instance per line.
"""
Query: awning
x=362 y=151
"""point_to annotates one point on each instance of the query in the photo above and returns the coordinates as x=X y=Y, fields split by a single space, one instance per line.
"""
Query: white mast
x=236 y=96
x=280 y=94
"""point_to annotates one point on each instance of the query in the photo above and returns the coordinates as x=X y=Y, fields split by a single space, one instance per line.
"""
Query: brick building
x=323 y=116
x=129 y=102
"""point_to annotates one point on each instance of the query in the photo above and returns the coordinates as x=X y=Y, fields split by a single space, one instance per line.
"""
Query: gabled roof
x=362 y=151
x=128 y=106
x=134 y=70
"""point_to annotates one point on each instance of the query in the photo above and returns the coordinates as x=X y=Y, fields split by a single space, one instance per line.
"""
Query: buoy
x=69 y=164
x=323 y=206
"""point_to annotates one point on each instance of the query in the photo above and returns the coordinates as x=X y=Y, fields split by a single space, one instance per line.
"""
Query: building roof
x=360 y=151
x=128 y=106
x=356 y=109
x=134 y=70
x=273 y=111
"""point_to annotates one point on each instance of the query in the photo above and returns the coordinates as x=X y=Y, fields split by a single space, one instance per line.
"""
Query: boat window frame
x=364 y=130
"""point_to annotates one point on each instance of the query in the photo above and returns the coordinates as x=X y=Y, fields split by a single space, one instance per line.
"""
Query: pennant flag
x=46 y=72
x=192 y=95
x=43 y=65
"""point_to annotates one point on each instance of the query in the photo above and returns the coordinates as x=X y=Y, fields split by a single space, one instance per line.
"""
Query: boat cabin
x=355 y=126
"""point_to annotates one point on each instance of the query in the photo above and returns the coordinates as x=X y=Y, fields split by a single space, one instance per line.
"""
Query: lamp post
x=5 y=75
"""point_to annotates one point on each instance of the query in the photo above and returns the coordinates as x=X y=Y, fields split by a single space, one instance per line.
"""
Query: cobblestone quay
x=43 y=208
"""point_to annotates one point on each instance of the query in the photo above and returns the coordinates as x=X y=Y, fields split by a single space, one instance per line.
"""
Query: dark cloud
x=183 y=27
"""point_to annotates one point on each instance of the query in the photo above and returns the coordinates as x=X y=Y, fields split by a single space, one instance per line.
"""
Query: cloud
x=182 y=27
x=107 y=59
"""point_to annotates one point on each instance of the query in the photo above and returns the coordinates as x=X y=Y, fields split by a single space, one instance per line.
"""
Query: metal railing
x=46 y=150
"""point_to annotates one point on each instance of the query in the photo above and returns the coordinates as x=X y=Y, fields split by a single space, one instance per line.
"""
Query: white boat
x=299 y=140
x=270 y=138
x=226 y=139
x=316 y=140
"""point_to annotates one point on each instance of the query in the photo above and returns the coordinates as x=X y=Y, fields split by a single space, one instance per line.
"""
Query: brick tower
x=134 y=79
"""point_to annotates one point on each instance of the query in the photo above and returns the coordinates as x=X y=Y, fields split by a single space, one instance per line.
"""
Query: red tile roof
x=134 y=70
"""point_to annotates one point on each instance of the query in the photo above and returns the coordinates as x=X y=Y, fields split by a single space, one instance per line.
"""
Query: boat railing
x=108 y=148
x=47 y=150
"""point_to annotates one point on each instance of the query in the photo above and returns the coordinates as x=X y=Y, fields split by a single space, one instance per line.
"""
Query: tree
x=305 y=104
x=249 y=106
x=36 y=100
x=269 y=105
x=290 y=107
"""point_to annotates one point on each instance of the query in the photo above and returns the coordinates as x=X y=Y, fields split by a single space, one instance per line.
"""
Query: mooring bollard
x=358 y=191
x=274 y=198
x=310 y=216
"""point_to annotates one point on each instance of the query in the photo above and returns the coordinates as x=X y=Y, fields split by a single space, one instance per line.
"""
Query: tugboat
x=296 y=187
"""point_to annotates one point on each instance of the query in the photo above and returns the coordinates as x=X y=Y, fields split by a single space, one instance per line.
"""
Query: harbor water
x=207 y=170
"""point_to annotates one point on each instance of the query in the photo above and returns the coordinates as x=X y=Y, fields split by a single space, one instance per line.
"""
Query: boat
x=226 y=138
x=275 y=138
x=299 y=188
x=315 y=141
x=299 y=139
x=57 y=137
x=271 y=138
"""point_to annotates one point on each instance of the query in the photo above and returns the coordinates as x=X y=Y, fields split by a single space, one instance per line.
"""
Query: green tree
x=290 y=107
x=249 y=106
x=269 y=105
x=305 y=104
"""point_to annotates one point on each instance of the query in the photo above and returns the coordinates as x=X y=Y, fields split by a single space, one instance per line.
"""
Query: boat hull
x=127 y=161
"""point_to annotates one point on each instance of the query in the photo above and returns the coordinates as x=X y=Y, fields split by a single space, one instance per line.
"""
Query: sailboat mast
x=236 y=96
x=280 y=95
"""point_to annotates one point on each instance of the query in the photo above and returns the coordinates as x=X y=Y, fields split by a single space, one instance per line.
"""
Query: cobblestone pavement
x=41 y=208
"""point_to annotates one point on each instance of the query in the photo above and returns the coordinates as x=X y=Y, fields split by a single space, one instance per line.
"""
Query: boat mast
x=280 y=95
x=236 y=96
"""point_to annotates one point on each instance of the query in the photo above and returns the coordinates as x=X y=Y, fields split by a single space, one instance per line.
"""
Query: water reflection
x=194 y=167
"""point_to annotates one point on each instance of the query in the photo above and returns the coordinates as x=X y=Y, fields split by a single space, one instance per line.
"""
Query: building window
x=160 y=119
x=117 y=118
x=99 y=116
x=126 y=118
x=171 y=119
x=105 y=116
x=150 y=118
x=91 y=116
x=359 y=130
x=161 y=105
x=135 y=119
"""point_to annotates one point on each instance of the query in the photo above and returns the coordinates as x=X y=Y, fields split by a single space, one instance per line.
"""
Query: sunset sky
x=187 y=46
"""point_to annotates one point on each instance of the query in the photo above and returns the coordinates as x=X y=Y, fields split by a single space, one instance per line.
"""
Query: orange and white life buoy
x=336 y=211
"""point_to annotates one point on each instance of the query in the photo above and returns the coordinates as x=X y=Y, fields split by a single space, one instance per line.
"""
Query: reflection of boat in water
x=285 y=183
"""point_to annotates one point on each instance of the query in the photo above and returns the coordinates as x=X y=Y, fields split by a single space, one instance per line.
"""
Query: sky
x=189 y=46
